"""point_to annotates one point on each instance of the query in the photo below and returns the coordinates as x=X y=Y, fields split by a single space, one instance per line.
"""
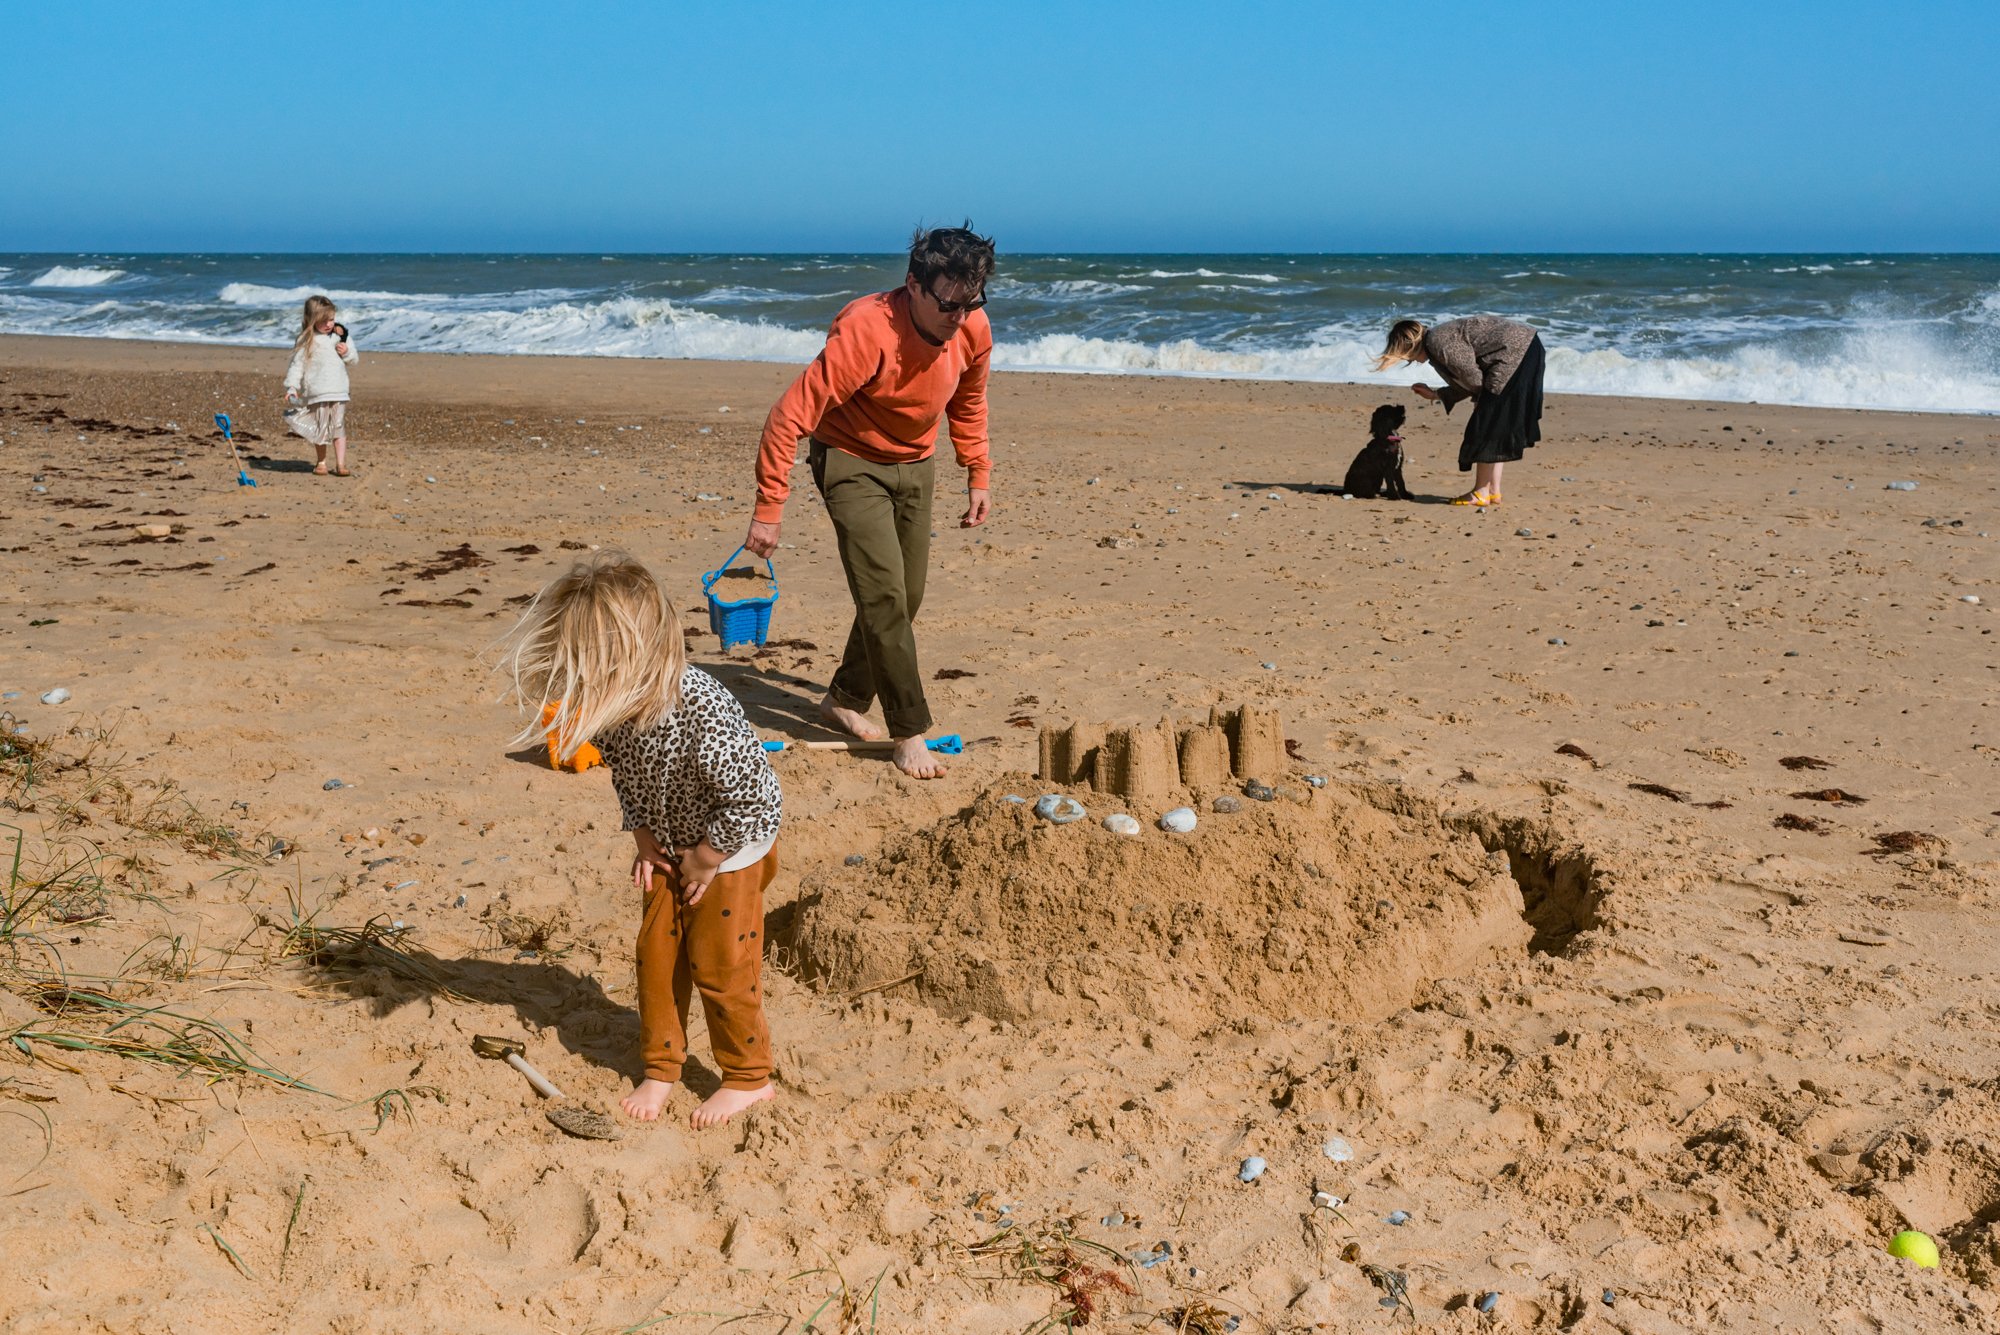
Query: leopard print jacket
x=701 y=771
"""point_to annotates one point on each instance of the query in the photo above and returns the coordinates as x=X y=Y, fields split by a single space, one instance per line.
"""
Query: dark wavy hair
x=955 y=254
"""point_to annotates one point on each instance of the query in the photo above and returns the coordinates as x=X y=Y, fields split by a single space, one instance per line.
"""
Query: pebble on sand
x=332 y=784
x=55 y=697
x=1338 y=1150
x=1181 y=820
x=1226 y=804
x=1252 y=1169
x=1120 y=823
x=1057 y=809
x=1901 y=486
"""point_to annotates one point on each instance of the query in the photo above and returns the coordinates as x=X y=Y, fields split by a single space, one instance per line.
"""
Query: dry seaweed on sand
x=1199 y=1317
x=1056 y=1257
x=1906 y=841
x=376 y=944
x=1572 y=749
x=1809 y=824
x=1837 y=795
x=1659 y=790
x=1804 y=762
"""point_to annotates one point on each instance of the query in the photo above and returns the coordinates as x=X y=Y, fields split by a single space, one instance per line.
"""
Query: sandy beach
x=1638 y=947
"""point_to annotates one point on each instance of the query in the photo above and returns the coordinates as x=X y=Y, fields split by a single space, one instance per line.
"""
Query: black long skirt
x=1505 y=425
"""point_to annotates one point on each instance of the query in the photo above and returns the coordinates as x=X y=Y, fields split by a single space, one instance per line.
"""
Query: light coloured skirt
x=322 y=424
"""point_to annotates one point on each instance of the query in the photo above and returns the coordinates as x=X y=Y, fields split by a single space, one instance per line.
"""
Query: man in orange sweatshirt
x=895 y=364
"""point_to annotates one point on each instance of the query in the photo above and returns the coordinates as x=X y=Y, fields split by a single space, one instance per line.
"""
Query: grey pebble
x=1399 y=1217
x=1901 y=486
x=1524 y=533
x=1015 y=797
x=1558 y=640
x=1181 y=820
x=1225 y=804
x=1610 y=1298
x=1316 y=780
x=1258 y=791
x=1120 y=823
x=332 y=784
x=458 y=903
x=1114 y=1219
x=1268 y=667
x=1487 y=1302
x=854 y=859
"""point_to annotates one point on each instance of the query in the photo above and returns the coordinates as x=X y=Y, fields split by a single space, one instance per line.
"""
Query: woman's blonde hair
x=1406 y=341
x=602 y=644
x=317 y=309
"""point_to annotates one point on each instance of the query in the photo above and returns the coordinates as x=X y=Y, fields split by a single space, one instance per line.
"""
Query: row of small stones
x=1058 y=809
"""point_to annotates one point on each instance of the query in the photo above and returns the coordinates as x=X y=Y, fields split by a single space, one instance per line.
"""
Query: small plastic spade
x=243 y=478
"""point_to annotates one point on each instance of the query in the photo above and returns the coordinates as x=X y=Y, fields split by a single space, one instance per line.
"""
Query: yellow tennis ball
x=1914 y=1246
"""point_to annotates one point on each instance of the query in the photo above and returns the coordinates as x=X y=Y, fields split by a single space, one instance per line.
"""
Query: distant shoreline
x=89 y=352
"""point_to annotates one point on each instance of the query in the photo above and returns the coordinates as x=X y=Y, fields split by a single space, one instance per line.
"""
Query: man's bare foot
x=850 y=722
x=916 y=760
x=644 y=1103
x=724 y=1104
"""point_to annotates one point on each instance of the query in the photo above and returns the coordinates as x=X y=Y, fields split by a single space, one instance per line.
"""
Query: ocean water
x=1863 y=331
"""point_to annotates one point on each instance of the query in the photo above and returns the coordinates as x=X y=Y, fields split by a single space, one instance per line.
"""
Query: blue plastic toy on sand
x=744 y=620
x=243 y=478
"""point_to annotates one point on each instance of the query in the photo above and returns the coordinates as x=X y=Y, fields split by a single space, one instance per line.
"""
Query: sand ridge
x=1732 y=1057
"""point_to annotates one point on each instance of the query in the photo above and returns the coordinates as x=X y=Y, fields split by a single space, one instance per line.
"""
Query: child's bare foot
x=916 y=760
x=848 y=721
x=724 y=1104
x=644 y=1103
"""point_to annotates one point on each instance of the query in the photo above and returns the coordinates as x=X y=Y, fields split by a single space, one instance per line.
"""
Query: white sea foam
x=81 y=276
x=256 y=294
x=1881 y=369
x=620 y=327
x=1206 y=273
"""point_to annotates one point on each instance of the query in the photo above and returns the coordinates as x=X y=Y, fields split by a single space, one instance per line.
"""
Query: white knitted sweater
x=317 y=373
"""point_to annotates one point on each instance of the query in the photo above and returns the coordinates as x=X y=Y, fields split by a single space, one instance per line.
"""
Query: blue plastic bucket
x=743 y=620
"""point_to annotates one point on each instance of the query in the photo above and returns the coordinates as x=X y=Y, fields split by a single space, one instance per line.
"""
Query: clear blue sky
x=1078 y=126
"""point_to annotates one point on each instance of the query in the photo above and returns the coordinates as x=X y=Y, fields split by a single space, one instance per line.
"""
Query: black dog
x=1380 y=463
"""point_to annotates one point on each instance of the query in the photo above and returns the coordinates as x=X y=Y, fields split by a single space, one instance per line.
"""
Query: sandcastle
x=1348 y=906
x=1151 y=761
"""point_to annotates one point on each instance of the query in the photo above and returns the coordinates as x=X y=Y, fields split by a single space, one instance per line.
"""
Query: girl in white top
x=316 y=383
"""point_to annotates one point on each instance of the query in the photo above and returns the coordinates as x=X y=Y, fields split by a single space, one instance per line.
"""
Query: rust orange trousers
x=716 y=947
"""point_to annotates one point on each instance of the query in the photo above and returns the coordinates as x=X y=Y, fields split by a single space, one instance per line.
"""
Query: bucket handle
x=708 y=580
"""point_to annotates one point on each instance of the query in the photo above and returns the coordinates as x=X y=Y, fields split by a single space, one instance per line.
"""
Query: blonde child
x=316 y=383
x=602 y=645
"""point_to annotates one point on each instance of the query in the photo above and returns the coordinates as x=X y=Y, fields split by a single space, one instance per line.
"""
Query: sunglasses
x=954 y=307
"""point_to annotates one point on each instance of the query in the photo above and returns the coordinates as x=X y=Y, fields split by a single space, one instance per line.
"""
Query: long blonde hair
x=317 y=309
x=602 y=644
x=1406 y=341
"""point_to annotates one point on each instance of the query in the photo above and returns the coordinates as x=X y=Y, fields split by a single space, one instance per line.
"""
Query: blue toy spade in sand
x=243 y=478
x=951 y=744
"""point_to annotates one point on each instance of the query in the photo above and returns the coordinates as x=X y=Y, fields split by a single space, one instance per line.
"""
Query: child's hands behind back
x=649 y=859
x=699 y=865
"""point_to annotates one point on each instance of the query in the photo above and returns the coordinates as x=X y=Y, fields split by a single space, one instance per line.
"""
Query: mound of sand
x=1346 y=905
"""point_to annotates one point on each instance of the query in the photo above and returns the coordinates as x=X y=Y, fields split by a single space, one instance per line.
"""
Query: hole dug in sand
x=1344 y=905
x=1561 y=886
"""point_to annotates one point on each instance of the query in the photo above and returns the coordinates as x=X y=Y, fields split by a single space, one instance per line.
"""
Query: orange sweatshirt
x=878 y=390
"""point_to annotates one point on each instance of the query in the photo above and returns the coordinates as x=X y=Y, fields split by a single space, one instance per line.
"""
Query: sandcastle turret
x=1149 y=761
